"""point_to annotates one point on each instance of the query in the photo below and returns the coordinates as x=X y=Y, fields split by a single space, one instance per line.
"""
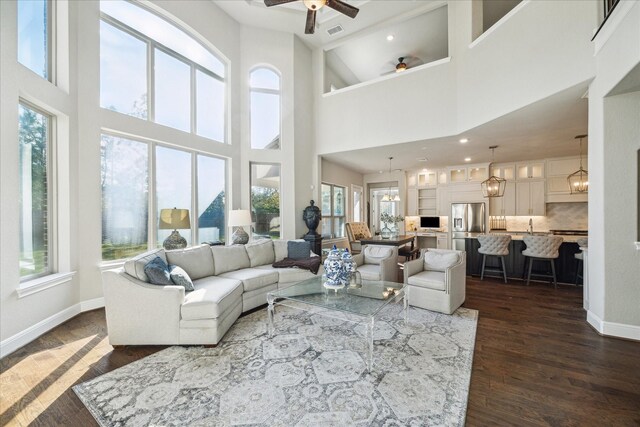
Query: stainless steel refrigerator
x=465 y=218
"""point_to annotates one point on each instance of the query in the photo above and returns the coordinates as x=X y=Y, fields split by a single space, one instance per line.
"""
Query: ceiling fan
x=403 y=64
x=314 y=6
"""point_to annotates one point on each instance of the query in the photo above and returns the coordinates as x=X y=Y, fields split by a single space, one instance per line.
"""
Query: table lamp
x=174 y=219
x=238 y=219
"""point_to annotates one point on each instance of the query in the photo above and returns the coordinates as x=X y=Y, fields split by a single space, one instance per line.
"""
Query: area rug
x=311 y=373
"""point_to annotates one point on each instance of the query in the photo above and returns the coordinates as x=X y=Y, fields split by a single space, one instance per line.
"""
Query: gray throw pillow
x=158 y=272
x=298 y=250
x=181 y=278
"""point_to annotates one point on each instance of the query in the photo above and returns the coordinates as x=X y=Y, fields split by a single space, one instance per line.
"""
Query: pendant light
x=494 y=186
x=387 y=197
x=579 y=180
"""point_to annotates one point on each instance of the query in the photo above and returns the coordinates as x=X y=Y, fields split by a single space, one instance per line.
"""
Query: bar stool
x=582 y=243
x=494 y=245
x=542 y=248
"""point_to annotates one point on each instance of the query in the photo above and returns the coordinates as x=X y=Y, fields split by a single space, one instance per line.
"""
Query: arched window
x=265 y=109
x=153 y=70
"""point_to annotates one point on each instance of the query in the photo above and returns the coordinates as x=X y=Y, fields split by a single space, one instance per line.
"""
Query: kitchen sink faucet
x=530 y=226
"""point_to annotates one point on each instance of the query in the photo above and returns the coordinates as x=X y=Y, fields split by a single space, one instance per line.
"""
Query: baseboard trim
x=612 y=329
x=91 y=304
x=24 y=337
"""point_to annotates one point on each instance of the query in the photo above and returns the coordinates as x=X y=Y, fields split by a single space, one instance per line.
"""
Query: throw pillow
x=180 y=278
x=440 y=261
x=298 y=250
x=158 y=272
x=359 y=236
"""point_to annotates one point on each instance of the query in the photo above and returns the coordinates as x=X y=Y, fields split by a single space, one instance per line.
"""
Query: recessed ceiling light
x=464 y=140
x=467 y=159
x=390 y=37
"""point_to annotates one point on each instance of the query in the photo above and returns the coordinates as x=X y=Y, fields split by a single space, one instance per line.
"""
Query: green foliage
x=265 y=200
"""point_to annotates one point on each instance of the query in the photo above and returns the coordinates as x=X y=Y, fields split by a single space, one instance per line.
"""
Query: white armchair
x=378 y=262
x=437 y=280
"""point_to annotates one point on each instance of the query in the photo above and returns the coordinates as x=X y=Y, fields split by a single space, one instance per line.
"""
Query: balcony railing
x=608 y=5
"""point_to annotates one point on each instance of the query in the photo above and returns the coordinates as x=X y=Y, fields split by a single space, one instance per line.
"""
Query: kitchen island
x=566 y=264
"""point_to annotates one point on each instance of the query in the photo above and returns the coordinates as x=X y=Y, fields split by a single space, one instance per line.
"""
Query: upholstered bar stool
x=542 y=248
x=494 y=245
x=582 y=243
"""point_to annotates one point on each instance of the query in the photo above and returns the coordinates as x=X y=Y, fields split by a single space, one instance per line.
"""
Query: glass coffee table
x=364 y=302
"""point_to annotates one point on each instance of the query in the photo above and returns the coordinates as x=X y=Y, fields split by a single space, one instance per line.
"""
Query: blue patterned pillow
x=158 y=272
x=298 y=250
x=180 y=277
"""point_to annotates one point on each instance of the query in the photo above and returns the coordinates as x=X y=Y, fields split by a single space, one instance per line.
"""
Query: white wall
x=541 y=49
x=614 y=138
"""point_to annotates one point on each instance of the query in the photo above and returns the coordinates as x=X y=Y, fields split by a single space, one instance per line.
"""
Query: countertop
x=516 y=235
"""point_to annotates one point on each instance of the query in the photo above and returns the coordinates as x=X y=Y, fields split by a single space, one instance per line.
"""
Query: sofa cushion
x=253 y=278
x=180 y=277
x=291 y=275
x=298 y=250
x=135 y=266
x=370 y=272
x=197 y=261
x=428 y=279
x=436 y=260
x=229 y=258
x=376 y=254
x=211 y=298
x=158 y=272
x=260 y=252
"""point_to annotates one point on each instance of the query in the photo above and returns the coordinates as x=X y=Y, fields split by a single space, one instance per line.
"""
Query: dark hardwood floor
x=536 y=362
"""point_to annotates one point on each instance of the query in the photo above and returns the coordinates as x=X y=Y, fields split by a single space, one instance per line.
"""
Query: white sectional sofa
x=228 y=281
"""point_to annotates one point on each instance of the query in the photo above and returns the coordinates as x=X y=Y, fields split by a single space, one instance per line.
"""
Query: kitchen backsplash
x=560 y=216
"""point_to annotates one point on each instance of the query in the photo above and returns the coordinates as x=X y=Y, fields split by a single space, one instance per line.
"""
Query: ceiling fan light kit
x=401 y=65
x=314 y=5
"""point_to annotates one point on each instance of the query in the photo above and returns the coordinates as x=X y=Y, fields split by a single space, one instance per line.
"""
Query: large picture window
x=34 y=36
x=333 y=211
x=265 y=109
x=185 y=88
x=130 y=204
x=35 y=192
x=265 y=200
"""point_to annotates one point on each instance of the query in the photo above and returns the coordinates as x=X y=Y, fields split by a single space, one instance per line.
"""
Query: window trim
x=333 y=217
x=269 y=92
x=51 y=176
x=152 y=45
x=152 y=200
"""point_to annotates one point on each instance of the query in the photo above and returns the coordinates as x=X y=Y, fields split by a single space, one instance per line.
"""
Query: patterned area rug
x=311 y=373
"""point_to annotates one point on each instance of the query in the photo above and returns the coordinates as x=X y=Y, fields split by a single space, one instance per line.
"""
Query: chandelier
x=579 y=180
x=494 y=186
x=387 y=197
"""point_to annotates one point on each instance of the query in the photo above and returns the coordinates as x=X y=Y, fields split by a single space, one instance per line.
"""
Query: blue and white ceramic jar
x=349 y=267
x=333 y=269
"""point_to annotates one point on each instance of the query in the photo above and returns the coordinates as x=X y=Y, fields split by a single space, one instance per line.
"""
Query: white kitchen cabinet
x=427 y=201
x=507 y=172
x=412 y=179
x=443 y=178
x=427 y=178
x=442 y=240
x=457 y=175
x=505 y=205
x=477 y=174
x=530 y=170
x=412 y=202
x=442 y=202
x=530 y=198
x=558 y=171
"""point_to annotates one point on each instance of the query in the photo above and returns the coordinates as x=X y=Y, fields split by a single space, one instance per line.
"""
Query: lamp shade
x=239 y=218
x=174 y=219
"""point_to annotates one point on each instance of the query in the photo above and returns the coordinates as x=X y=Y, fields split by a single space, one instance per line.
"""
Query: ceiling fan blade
x=310 y=27
x=270 y=3
x=343 y=8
